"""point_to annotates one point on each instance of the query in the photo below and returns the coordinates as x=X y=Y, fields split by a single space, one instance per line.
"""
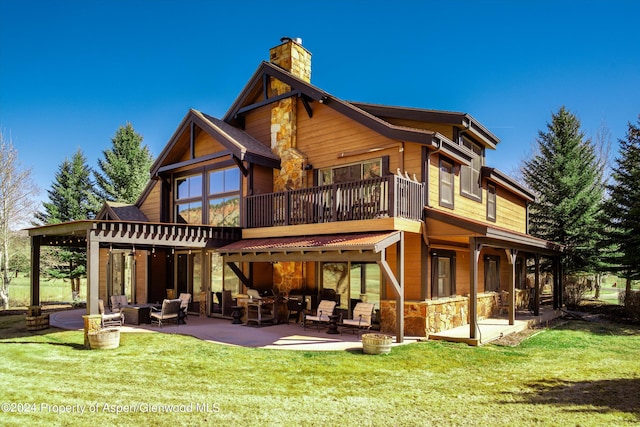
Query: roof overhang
x=334 y=247
x=444 y=227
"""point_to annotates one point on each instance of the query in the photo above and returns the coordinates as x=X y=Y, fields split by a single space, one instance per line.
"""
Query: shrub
x=631 y=302
x=574 y=291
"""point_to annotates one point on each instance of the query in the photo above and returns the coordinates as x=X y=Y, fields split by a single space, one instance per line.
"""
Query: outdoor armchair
x=324 y=310
x=185 y=299
x=362 y=315
x=170 y=311
x=109 y=319
x=118 y=302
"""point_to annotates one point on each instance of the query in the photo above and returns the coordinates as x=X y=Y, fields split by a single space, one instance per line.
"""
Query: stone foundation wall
x=424 y=317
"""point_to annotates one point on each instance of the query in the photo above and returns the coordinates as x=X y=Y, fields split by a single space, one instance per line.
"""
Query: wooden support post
x=34 y=279
x=474 y=254
x=536 y=302
x=93 y=273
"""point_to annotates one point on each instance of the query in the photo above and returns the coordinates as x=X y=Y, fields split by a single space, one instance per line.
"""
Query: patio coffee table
x=137 y=314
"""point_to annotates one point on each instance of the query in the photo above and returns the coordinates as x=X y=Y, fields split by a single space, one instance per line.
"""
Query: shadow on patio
x=222 y=331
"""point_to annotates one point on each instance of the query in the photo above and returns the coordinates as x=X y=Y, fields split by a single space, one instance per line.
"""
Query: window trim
x=471 y=146
x=446 y=163
x=492 y=202
x=487 y=260
x=435 y=255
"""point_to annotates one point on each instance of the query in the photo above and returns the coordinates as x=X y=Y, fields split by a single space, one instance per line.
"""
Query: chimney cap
x=289 y=39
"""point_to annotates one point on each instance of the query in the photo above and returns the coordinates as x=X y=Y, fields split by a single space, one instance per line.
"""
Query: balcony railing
x=389 y=196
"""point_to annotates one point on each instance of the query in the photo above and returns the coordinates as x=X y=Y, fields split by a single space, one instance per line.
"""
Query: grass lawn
x=577 y=373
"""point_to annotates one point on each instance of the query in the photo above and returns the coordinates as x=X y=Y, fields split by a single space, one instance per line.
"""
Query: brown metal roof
x=337 y=242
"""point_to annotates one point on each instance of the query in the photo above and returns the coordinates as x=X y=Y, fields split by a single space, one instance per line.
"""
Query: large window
x=352 y=282
x=351 y=172
x=491 y=202
x=443 y=274
x=188 y=190
x=215 y=202
x=446 y=183
x=224 y=198
x=470 y=175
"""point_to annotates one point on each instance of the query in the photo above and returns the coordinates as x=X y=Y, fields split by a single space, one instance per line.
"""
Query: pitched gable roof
x=309 y=93
x=239 y=143
x=121 y=212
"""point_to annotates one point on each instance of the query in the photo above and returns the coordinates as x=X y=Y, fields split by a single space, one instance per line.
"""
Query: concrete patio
x=222 y=331
x=293 y=337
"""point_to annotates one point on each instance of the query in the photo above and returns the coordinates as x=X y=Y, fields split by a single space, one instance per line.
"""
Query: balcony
x=388 y=196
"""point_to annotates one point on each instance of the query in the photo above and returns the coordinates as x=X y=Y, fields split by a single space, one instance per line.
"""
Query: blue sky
x=72 y=72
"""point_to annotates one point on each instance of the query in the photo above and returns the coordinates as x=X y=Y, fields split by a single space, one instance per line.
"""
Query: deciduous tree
x=17 y=205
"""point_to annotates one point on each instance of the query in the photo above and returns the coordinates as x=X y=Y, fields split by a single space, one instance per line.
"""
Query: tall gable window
x=224 y=198
x=446 y=183
x=214 y=201
x=188 y=201
x=470 y=175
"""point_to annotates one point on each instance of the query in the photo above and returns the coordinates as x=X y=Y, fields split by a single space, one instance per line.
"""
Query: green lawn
x=52 y=290
x=577 y=373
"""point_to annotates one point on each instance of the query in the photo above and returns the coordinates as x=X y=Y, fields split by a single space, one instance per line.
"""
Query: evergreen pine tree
x=71 y=196
x=567 y=179
x=125 y=167
x=622 y=209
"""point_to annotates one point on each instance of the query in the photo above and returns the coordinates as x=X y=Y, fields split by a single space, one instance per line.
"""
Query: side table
x=333 y=324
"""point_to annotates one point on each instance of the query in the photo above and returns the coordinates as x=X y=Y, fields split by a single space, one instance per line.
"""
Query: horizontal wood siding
x=510 y=209
x=151 y=205
x=443 y=129
x=205 y=144
x=262 y=180
x=328 y=133
x=258 y=124
x=412 y=266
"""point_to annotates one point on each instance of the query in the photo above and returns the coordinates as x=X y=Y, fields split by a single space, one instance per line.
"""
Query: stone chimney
x=292 y=57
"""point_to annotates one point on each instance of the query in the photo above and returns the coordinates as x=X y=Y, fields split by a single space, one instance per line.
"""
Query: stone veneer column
x=292 y=57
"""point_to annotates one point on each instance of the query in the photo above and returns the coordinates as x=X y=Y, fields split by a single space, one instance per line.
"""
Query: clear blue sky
x=72 y=72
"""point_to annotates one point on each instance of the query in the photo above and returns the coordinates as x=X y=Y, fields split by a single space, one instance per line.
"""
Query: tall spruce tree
x=125 y=167
x=71 y=198
x=567 y=178
x=622 y=208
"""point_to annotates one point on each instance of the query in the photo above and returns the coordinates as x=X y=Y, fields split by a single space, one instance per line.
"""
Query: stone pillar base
x=92 y=323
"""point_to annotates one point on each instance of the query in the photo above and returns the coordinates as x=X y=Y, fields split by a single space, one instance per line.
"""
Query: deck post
x=474 y=252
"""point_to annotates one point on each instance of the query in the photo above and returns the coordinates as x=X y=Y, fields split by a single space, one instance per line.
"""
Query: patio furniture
x=362 y=317
x=135 y=315
x=237 y=314
x=118 y=302
x=324 y=310
x=260 y=309
x=170 y=311
x=185 y=299
x=109 y=319
x=295 y=308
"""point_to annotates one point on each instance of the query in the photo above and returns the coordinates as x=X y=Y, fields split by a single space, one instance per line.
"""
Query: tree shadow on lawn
x=600 y=327
x=600 y=396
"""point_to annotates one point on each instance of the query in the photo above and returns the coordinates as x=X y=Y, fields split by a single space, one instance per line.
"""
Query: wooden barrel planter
x=37 y=323
x=376 y=343
x=104 y=339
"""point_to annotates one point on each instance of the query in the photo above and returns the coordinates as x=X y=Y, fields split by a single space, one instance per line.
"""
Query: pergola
x=94 y=234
